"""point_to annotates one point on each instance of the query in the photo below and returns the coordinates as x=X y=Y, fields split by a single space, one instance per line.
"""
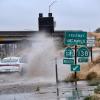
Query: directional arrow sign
x=75 y=68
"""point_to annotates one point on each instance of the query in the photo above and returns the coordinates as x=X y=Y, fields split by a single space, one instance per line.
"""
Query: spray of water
x=41 y=57
x=41 y=61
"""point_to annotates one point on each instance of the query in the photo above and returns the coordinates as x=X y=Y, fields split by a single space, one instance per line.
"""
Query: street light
x=51 y=4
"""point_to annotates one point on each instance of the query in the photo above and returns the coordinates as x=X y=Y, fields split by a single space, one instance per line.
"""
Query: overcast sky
x=69 y=14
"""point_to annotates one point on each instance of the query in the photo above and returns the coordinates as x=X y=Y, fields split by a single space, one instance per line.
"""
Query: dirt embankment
x=90 y=67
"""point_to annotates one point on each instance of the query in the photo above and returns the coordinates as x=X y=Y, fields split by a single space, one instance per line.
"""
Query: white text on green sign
x=83 y=52
x=69 y=53
x=75 y=38
x=68 y=61
x=83 y=59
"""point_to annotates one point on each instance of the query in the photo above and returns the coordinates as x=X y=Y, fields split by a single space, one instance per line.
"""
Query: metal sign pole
x=91 y=54
x=56 y=69
x=75 y=64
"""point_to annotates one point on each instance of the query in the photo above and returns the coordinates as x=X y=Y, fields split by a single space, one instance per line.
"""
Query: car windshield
x=9 y=60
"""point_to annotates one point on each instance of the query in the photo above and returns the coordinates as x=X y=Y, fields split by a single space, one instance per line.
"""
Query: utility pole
x=51 y=4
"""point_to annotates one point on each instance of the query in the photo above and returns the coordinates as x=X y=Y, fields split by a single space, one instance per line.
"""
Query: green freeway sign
x=69 y=53
x=68 y=61
x=75 y=68
x=83 y=59
x=83 y=52
x=75 y=38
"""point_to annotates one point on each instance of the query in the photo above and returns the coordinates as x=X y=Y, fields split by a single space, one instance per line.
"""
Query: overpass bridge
x=18 y=36
x=14 y=36
x=15 y=41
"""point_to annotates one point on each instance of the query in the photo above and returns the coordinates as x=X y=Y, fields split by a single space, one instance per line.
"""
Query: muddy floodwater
x=44 y=91
x=13 y=86
x=39 y=81
x=19 y=88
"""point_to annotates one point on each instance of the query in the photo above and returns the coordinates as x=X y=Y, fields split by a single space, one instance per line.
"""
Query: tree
x=97 y=30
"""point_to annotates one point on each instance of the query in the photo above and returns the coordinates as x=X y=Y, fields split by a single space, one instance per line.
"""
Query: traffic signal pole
x=75 y=64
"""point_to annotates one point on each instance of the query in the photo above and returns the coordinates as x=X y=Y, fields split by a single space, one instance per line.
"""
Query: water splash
x=41 y=58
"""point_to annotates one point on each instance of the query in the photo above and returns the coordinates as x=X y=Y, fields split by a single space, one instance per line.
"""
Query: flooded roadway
x=29 y=91
x=12 y=88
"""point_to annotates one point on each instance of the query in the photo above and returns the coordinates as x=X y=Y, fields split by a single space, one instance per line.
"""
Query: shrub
x=97 y=90
x=94 y=82
x=71 y=78
x=38 y=88
x=91 y=98
x=91 y=75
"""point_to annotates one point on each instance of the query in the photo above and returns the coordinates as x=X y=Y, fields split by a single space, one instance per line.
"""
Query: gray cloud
x=69 y=14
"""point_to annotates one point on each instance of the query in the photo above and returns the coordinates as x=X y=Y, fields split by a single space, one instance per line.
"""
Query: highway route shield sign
x=69 y=53
x=83 y=52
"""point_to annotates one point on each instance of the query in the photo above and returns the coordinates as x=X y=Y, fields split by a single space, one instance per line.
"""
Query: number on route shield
x=83 y=52
x=69 y=53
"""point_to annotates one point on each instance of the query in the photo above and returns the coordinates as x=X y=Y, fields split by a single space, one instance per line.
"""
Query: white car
x=11 y=64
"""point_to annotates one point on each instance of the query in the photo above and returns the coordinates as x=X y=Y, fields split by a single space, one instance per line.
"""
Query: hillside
x=90 y=67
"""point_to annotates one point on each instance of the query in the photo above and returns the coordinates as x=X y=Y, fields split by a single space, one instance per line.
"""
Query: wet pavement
x=12 y=88
x=48 y=92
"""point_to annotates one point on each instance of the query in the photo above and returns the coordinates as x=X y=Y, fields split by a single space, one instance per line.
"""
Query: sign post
x=91 y=54
x=75 y=64
x=56 y=69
